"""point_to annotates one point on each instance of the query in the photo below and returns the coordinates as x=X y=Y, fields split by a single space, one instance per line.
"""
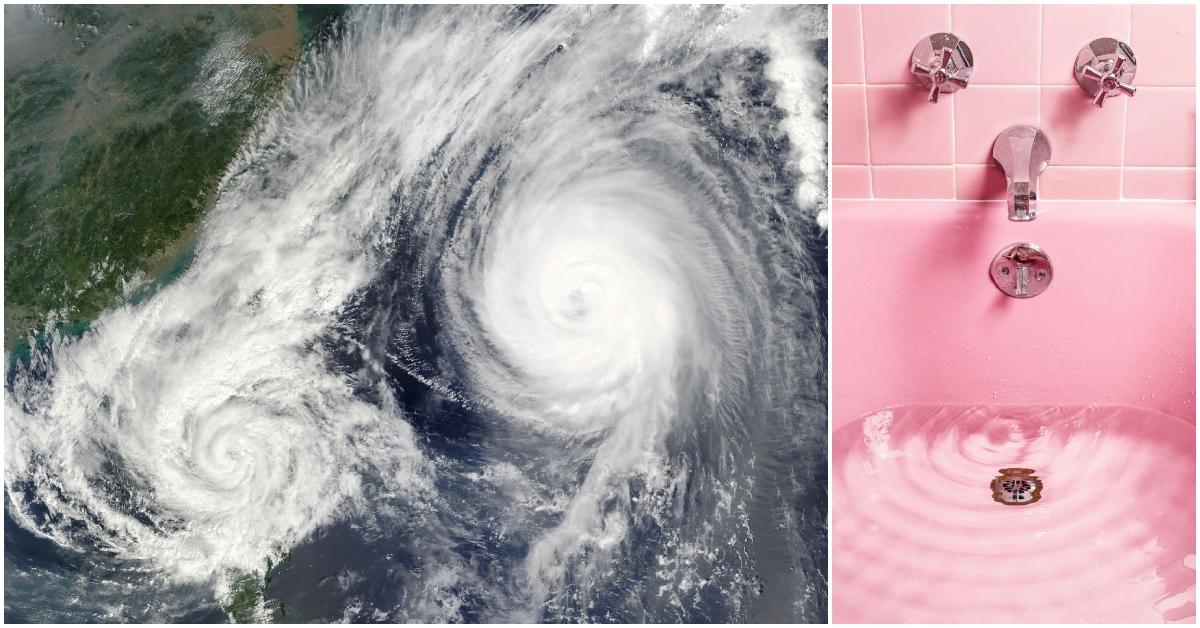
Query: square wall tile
x=979 y=183
x=1063 y=183
x=848 y=117
x=1161 y=128
x=1066 y=29
x=1080 y=133
x=845 y=47
x=906 y=129
x=1175 y=184
x=981 y=112
x=890 y=31
x=851 y=182
x=1004 y=38
x=1164 y=40
x=913 y=181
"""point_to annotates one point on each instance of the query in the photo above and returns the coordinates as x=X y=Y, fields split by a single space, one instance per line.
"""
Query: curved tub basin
x=917 y=324
x=918 y=537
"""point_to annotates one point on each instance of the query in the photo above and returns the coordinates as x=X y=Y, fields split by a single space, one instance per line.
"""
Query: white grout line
x=1125 y=122
x=953 y=124
x=1040 y=40
x=862 y=47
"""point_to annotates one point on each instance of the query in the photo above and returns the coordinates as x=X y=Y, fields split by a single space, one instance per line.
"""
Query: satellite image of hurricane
x=488 y=314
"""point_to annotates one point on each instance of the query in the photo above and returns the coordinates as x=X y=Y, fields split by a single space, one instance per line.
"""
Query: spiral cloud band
x=522 y=309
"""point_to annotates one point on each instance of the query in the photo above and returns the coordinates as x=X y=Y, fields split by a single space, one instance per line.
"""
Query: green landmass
x=248 y=602
x=119 y=123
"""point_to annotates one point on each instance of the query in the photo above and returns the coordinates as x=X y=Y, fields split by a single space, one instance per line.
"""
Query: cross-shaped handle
x=1109 y=81
x=940 y=72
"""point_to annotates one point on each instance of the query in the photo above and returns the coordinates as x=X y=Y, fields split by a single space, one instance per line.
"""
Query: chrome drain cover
x=1016 y=487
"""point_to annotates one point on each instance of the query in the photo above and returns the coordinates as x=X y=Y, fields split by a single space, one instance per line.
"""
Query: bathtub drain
x=1016 y=487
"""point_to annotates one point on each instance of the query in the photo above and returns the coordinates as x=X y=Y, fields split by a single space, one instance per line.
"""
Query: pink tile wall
x=887 y=142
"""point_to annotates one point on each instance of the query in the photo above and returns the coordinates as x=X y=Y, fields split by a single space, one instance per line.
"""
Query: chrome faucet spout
x=1023 y=152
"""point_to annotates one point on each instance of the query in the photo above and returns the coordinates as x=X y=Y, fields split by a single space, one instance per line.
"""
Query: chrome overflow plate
x=1022 y=270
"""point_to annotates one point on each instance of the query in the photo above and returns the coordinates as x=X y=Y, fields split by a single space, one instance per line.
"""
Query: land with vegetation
x=119 y=124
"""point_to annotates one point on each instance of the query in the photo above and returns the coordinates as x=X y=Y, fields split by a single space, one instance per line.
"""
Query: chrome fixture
x=1023 y=152
x=1016 y=487
x=1106 y=68
x=942 y=63
x=1022 y=270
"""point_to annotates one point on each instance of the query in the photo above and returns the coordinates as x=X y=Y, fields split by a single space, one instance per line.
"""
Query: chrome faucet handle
x=942 y=63
x=1106 y=67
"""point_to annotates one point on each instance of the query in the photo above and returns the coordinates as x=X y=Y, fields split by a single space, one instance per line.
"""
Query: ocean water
x=506 y=314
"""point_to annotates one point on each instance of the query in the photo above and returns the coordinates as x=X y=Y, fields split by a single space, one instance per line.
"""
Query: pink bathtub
x=939 y=380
